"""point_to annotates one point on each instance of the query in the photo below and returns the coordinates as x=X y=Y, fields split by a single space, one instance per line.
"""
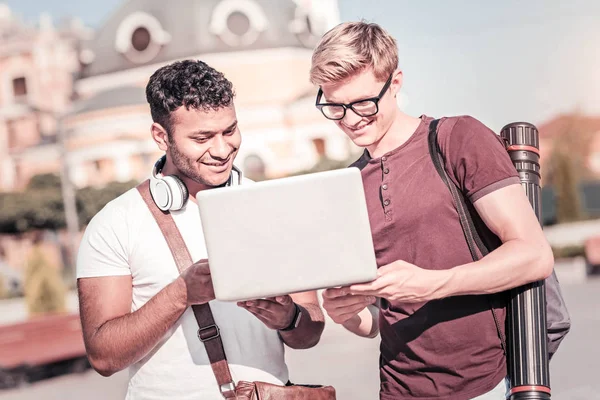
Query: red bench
x=37 y=346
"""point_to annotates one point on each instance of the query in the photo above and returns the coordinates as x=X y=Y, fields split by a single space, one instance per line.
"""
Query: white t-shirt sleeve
x=103 y=248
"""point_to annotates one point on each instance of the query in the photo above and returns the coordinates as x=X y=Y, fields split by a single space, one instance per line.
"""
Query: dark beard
x=185 y=166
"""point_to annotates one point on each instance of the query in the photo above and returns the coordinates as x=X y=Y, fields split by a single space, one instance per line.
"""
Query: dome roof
x=143 y=32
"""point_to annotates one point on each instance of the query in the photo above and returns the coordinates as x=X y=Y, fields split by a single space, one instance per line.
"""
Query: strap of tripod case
x=472 y=237
x=208 y=331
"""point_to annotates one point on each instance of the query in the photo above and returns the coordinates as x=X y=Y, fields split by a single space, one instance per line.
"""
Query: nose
x=220 y=149
x=351 y=118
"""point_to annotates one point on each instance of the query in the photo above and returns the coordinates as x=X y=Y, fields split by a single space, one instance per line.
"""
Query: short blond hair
x=350 y=48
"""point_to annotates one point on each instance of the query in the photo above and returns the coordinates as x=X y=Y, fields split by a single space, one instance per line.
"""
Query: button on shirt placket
x=385 y=193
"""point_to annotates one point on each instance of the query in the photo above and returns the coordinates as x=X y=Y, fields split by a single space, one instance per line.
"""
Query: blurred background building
x=38 y=65
x=93 y=82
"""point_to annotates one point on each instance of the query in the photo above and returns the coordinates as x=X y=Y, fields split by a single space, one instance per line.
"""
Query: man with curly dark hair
x=135 y=305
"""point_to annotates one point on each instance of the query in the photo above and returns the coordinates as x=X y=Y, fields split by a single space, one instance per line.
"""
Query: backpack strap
x=474 y=240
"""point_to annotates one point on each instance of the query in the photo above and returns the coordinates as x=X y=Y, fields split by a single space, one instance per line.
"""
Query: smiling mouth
x=358 y=128
x=221 y=164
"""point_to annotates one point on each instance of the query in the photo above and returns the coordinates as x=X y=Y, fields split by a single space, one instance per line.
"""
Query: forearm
x=365 y=323
x=514 y=263
x=122 y=341
x=309 y=330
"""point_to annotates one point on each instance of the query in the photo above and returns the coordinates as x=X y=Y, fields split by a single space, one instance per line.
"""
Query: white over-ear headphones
x=169 y=192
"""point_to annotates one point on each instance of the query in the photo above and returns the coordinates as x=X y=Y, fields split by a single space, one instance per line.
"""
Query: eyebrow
x=211 y=133
x=329 y=101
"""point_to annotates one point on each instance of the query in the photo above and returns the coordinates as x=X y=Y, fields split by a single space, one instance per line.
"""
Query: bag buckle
x=205 y=334
x=227 y=390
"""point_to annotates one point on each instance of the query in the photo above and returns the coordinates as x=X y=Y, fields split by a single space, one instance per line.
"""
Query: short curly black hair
x=189 y=83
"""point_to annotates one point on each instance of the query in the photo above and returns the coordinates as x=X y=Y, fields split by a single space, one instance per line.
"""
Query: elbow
x=104 y=372
x=309 y=344
x=544 y=262
x=308 y=341
x=103 y=366
x=316 y=337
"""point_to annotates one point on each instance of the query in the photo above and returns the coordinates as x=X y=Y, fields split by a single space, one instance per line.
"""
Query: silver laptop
x=287 y=235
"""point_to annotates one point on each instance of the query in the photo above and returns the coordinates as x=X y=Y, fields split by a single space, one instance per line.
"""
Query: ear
x=160 y=136
x=397 y=81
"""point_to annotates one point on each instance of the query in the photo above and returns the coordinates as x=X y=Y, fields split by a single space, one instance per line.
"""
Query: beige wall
x=46 y=59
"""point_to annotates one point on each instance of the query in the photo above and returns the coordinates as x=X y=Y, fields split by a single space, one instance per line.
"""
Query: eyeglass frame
x=375 y=100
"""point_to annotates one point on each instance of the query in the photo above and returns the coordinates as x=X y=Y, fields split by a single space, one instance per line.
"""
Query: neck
x=400 y=130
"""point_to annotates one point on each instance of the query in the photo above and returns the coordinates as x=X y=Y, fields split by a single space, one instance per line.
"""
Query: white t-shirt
x=124 y=239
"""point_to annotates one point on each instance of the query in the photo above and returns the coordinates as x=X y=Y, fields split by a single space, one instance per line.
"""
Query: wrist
x=293 y=324
x=446 y=279
x=177 y=291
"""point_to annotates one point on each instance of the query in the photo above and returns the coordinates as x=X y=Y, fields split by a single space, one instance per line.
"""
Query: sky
x=500 y=61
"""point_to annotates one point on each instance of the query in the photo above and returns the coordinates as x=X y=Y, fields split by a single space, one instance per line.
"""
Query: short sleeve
x=477 y=157
x=102 y=251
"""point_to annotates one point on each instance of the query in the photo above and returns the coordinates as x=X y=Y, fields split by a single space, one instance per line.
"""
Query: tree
x=91 y=200
x=568 y=167
x=3 y=291
x=30 y=210
x=565 y=179
x=44 y=181
x=40 y=206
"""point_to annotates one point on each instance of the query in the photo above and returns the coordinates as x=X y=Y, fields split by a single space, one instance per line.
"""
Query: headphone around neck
x=170 y=193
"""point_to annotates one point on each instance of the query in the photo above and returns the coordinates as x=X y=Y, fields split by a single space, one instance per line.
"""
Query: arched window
x=238 y=22
x=140 y=37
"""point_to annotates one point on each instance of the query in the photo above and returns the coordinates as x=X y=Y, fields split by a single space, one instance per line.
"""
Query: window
x=19 y=87
x=140 y=39
x=238 y=23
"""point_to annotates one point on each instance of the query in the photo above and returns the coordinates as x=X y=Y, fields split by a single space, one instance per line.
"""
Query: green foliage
x=32 y=209
x=41 y=207
x=45 y=291
x=568 y=251
x=44 y=181
x=91 y=200
x=3 y=291
x=568 y=167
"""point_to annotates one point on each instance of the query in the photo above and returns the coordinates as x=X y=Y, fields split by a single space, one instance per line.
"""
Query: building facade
x=263 y=46
x=86 y=88
x=37 y=64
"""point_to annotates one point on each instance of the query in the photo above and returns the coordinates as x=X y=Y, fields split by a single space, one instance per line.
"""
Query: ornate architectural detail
x=312 y=19
x=238 y=22
x=140 y=37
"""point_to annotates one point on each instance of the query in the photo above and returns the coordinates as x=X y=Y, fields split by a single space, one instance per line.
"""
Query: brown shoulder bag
x=210 y=336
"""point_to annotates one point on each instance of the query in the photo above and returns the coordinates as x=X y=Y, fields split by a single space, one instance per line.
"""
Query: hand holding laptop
x=198 y=283
x=275 y=312
x=341 y=305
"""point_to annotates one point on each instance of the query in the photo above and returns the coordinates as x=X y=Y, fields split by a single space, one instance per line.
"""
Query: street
x=350 y=363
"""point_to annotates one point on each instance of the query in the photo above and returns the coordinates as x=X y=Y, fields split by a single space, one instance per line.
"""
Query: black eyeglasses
x=364 y=108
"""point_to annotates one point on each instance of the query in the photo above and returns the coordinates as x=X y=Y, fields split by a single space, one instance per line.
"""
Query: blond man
x=439 y=338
